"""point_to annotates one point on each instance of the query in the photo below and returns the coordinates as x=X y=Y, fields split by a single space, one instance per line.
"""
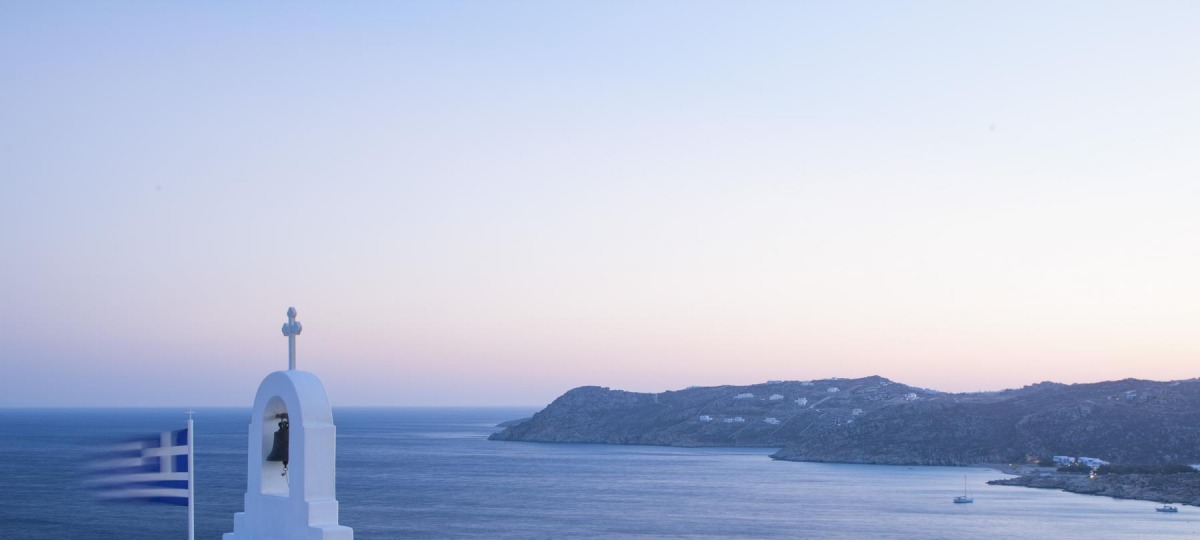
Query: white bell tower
x=290 y=498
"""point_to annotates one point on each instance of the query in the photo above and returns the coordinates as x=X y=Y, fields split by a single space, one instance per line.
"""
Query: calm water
x=431 y=473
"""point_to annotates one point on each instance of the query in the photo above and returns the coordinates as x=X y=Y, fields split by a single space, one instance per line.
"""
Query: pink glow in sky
x=483 y=203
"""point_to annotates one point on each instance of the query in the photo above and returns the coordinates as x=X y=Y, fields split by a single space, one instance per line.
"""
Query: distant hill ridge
x=874 y=420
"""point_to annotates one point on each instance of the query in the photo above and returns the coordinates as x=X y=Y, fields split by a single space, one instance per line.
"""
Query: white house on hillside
x=776 y=397
x=746 y=395
x=801 y=401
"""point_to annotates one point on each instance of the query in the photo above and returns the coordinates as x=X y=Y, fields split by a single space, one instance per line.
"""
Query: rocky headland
x=763 y=415
x=1178 y=488
x=875 y=420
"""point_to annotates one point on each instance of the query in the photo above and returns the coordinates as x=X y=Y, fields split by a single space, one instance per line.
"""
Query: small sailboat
x=965 y=497
x=1166 y=508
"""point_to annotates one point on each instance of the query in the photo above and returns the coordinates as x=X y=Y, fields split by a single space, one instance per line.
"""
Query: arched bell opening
x=276 y=446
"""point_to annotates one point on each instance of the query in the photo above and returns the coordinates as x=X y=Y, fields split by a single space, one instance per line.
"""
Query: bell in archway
x=279 y=450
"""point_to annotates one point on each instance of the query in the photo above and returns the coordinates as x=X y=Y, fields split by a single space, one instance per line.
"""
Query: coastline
x=1012 y=468
x=1177 y=488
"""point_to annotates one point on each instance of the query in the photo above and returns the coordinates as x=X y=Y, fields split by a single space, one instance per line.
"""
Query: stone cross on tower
x=291 y=329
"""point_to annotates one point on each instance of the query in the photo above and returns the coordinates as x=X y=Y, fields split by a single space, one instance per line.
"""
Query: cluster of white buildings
x=1089 y=461
x=738 y=420
x=781 y=397
x=801 y=401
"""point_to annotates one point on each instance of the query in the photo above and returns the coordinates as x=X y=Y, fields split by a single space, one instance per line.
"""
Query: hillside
x=675 y=418
x=874 y=420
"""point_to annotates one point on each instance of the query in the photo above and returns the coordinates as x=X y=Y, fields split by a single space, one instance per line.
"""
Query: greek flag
x=152 y=469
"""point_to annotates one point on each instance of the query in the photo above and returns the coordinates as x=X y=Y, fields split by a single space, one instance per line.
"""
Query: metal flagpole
x=191 y=483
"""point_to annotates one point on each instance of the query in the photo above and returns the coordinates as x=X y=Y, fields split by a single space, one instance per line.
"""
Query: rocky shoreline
x=1143 y=427
x=875 y=420
x=1178 y=488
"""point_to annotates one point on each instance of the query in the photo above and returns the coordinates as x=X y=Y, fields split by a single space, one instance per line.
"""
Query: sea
x=432 y=473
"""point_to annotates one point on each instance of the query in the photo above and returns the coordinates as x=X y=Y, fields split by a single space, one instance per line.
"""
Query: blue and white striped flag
x=153 y=469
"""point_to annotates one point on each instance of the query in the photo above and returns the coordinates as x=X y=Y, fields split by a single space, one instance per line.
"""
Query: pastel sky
x=489 y=203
